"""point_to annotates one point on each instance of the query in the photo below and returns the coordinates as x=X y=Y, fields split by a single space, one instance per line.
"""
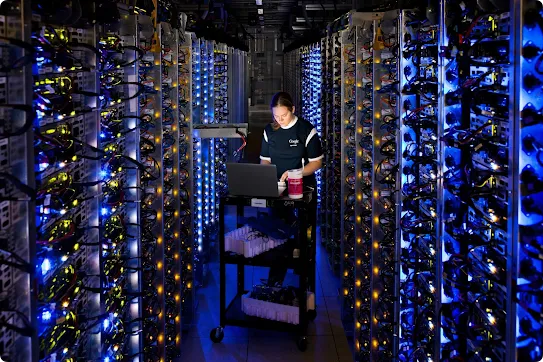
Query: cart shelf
x=281 y=254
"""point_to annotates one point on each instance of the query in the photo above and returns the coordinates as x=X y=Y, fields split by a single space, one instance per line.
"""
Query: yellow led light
x=375 y=295
x=159 y=265
x=177 y=298
x=375 y=270
x=160 y=338
x=189 y=285
x=358 y=283
x=159 y=240
x=346 y=273
x=375 y=343
x=376 y=245
x=376 y=220
x=160 y=289
x=358 y=261
x=345 y=291
x=159 y=215
x=177 y=277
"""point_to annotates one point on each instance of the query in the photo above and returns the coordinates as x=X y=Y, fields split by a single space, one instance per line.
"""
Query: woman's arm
x=312 y=167
x=309 y=169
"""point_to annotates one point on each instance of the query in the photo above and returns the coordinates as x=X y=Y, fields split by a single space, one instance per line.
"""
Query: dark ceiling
x=291 y=18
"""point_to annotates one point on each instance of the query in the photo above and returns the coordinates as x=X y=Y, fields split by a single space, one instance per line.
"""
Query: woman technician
x=291 y=143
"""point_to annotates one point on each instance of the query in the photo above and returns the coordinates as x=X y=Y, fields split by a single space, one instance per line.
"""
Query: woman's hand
x=284 y=177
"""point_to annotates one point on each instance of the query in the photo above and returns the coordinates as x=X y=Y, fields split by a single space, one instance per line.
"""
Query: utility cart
x=304 y=263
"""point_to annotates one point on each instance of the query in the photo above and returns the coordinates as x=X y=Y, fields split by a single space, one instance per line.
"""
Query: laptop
x=250 y=179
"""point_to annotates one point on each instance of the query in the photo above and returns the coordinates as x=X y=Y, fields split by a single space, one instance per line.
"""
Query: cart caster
x=217 y=334
x=302 y=344
x=312 y=314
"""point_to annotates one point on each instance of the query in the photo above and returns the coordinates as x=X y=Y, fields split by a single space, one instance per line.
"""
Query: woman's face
x=282 y=115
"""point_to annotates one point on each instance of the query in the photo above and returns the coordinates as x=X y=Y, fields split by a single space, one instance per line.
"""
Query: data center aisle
x=327 y=340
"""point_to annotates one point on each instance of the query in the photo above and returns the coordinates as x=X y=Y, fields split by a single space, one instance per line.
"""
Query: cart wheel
x=302 y=344
x=217 y=334
x=312 y=314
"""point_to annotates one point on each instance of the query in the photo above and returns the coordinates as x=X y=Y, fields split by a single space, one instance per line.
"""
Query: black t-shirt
x=292 y=147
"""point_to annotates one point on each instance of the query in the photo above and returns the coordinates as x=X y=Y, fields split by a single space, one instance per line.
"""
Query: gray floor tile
x=346 y=358
x=343 y=350
x=264 y=349
x=321 y=325
x=204 y=350
x=207 y=321
x=334 y=314
x=329 y=285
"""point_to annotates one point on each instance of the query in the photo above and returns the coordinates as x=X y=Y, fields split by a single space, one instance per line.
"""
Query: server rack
x=187 y=182
x=363 y=124
x=347 y=171
x=526 y=232
x=331 y=233
x=17 y=209
x=67 y=193
x=118 y=129
x=477 y=190
x=420 y=271
x=169 y=39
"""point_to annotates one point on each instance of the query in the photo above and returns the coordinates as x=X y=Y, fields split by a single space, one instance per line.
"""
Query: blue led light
x=46 y=316
x=104 y=211
x=45 y=266
x=106 y=324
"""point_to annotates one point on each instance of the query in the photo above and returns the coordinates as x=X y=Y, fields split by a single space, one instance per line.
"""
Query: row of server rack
x=431 y=191
x=108 y=193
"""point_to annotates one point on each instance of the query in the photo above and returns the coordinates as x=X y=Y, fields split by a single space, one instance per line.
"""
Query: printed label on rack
x=148 y=83
x=148 y=58
x=258 y=203
x=386 y=55
x=132 y=103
